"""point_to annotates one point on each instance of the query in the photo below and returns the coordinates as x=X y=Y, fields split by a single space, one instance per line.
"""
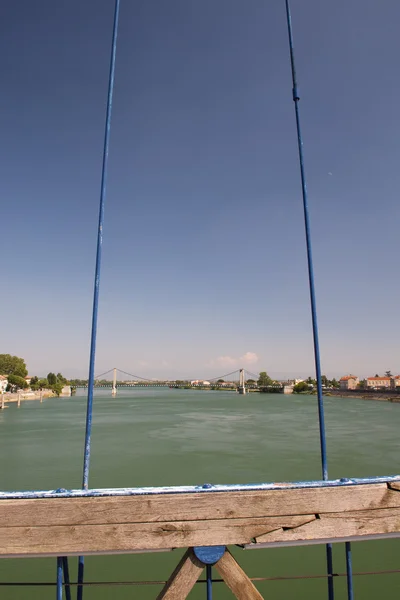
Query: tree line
x=14 y=368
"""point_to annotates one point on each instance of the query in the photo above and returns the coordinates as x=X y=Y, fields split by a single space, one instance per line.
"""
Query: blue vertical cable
x=59 y=578
x=349 y=572
x=209 y=581
x=317 y=358
x=89 y=410
x=66 y=578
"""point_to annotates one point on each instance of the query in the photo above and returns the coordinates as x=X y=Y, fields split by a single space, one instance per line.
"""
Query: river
x=171 y=437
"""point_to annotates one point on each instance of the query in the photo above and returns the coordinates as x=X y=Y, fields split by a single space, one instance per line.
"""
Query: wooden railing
x=281 y=516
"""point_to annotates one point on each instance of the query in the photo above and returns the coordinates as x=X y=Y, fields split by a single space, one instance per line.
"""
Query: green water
x=173 y=437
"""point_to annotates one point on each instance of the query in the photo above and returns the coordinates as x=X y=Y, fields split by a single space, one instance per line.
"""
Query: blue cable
x=209 y=581
x=59 y=578
x=66 y=578
x=89 y=410
x=321 y=417
x=349 y=572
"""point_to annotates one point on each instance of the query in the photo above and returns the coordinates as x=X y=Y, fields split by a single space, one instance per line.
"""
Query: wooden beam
x=334 y=525
x=183 y=578
x=195 y=506
x=236 y=579
x=394 y=486
x=106 y=525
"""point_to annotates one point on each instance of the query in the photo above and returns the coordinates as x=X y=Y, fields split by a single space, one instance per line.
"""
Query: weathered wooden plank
x=183 y=578
x=337 y=525
x=236 y=579
x=71 y=526
x=197 y=506
x=126 y=537
x=395 y=485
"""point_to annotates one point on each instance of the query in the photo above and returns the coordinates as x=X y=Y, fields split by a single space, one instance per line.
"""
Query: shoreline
x=8 y=398
x=363 y=395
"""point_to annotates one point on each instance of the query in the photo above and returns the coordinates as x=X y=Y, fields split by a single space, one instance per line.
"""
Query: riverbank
x=387 y=396
x=19 y=397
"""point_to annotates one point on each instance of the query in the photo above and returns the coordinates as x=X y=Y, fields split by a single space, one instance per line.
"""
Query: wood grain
x=70 y=526
x=183 y=578
x=394 y=486
x=93 y=539
x=195 y=506
x=236 y=579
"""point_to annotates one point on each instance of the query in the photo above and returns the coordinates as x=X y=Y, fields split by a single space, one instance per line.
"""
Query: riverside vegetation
x=15 y=369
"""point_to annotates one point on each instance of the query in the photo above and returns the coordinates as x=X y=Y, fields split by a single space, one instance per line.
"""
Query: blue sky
x=204 y=256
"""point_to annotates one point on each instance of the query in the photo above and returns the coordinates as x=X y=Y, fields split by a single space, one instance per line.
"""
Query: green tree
x=264 y=380
x=388 y=373
x=12 y=365
x=61 y=379
x=335 y=383
x=324 y=380
x=302 y=386
x=362 y=384
x=52 y=379
x=15 y=382
x=311 y=381
x=43 y=384
x=34 y=380
x=251 y=381
x=220 y=381
x=57 y=388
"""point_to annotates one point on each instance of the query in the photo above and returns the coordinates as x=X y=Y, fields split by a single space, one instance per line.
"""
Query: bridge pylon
x=114 y=387
x=242 y=387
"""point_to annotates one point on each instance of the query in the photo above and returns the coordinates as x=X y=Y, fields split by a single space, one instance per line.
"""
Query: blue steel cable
x=349 y=572
x=59 y=579
x=66 y=578
x=324 y=458
x=89 y=409
x=209 y=581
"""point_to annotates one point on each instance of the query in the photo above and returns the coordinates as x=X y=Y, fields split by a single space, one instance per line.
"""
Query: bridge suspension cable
x=135 y=376
x=102 y=374
x=223 y=376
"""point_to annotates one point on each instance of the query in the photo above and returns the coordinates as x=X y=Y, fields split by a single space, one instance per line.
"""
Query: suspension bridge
x=203 y=519
x=241 y=380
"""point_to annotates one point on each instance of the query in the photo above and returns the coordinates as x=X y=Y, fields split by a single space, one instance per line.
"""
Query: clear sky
x=204 y=256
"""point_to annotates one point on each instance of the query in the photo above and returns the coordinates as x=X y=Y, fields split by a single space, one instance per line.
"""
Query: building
x=349 y=382
x=379 y=382
x=3 y=383
x=199 y=383
x=28 y=379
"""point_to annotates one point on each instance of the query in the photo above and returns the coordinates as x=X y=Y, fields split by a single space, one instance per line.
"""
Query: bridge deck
x=137 y=521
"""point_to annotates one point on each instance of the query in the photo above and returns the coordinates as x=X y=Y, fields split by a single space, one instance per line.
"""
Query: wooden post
x=19 y=400
x=41 y=396
x=183 y=578
x=236 y=579
x=2 y=400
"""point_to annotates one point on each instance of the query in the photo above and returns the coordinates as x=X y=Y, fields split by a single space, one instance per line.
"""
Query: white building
x=3 y=383
x=349 y=382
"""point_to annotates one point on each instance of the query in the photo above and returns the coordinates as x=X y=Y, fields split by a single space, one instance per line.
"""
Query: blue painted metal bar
x=209 y=581
x=187 y=489
x=59 y=579
x=89 y=410
x=349 y=572
x=317 y=358
x=66 y=578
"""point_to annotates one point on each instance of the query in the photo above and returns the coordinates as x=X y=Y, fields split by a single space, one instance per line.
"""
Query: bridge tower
x=242 y=387
x=114 y=387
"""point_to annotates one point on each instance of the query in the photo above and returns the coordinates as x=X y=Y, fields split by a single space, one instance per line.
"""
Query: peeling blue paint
x=185 y=489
